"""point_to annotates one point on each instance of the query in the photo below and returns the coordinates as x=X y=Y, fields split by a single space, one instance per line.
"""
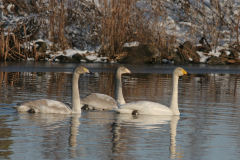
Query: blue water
x=208 y=127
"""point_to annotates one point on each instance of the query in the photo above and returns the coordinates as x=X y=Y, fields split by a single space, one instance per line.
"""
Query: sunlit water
x=208 y=128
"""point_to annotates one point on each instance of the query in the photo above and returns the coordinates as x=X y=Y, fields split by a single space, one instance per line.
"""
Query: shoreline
x=32 y=66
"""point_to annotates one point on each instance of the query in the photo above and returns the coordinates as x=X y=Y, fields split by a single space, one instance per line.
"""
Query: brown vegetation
x=112 y=23
x=48 y=20
x=127 y=21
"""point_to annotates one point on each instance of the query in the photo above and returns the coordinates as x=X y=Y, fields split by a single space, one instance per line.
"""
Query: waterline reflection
x=75 y=123
x=52 y=128
x=147 y=123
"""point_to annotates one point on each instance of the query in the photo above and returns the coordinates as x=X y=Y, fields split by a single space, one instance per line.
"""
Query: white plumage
x=145 y=107
x=99 y=101
x=52 y=106
x=152 y=108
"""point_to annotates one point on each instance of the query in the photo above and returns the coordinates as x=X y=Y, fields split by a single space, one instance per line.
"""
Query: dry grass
x=115 y=22
x=211 y=20
x=131 y=20
x=48 y=20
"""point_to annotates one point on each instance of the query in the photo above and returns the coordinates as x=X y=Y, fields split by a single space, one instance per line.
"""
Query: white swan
x=152 y=108
x=52 y=106
x=99 y=101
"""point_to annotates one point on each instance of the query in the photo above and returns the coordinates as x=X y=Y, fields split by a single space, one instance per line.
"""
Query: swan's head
x=122 y=69
x=180 y=72
x=80 y=69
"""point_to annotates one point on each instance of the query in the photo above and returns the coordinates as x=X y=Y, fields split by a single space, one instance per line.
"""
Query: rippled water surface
x=208 y=128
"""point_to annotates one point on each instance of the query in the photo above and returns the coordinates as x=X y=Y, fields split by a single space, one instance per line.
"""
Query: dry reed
x=112 y=23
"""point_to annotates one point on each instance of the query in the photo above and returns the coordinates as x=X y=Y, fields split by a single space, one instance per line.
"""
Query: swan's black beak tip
x=90 y=72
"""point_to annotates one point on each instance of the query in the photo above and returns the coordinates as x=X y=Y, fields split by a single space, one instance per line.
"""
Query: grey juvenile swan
x=104 y=102
x=52 y=106
x=153 y=108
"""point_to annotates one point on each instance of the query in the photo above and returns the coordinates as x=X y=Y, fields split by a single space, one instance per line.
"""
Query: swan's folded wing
x=44 y=106
x=100 y=101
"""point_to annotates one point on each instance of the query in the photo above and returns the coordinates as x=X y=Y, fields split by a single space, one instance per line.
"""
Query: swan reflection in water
x=143 y=122
x=57 y=130
x=75 y=123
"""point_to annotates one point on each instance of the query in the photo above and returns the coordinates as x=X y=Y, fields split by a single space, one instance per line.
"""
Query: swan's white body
x=145 y=107
x=99 y=101
x=52 y=106
x=152 y=108
x=45 y=106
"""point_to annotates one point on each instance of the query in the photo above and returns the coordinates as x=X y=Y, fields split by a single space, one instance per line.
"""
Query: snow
x=131 y=44
x=9 y=7
x=40 y=40
x=30 y=59
x=93 y=58
x=164 y=60
x=167 y=61
x=83 y=60
x=215 y=53
x=71 y=52
x=56 y=60
x=48 y=43
x=203 y=58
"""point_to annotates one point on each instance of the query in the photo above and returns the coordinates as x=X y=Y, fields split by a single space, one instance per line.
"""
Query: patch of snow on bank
x=228 y=52
x=40 y=40
x=131 y=44
x=215 y=52
x=30 y=59
x=71 y=52
x=9 y=8
x=203 y=58
x=48 y=43
x=167 y=61
x=93 y=58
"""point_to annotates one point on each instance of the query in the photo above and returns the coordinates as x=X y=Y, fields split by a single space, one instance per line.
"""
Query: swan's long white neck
x=118 y=89
x=174 y=101
x=76 y=104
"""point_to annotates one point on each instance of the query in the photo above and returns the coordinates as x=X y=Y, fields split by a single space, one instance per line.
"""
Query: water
x=208 y=127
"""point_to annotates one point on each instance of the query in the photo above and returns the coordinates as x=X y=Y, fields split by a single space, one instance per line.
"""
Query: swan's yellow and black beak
x=90 y=72
x=128 y=71
x=185 y=72
x=86 y=70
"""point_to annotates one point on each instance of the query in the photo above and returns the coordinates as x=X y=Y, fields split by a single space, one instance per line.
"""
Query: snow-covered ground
x=93 y=56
